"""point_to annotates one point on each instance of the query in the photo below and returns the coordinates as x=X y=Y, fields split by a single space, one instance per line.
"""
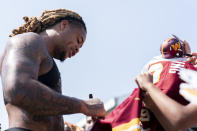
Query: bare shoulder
x=21 y=46
x=29 y=49
x=27 y=41
x=25 y=54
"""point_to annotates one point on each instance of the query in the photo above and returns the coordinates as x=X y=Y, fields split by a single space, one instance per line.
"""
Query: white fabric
x=160 y=58
x=189 y=89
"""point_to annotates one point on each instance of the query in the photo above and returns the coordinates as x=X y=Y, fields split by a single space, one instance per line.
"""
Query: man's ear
x=63 y=25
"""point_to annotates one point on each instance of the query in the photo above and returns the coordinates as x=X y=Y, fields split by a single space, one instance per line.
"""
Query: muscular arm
x=21 y=88
x=172 y=115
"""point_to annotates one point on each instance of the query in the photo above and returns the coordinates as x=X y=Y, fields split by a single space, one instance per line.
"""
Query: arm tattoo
x=41 y=100
x=21 y=87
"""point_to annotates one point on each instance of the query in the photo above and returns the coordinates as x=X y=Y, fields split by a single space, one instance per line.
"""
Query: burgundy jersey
x=165 y=77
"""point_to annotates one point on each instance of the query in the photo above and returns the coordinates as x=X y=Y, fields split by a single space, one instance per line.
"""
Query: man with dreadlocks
x=30 y=78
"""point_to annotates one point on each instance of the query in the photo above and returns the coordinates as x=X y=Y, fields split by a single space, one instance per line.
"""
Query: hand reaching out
x=143 y=80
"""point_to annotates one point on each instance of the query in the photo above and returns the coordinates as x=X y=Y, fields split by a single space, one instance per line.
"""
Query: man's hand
x=187 y=47
x=95 y=108
x=143 y=80
x=193 y=59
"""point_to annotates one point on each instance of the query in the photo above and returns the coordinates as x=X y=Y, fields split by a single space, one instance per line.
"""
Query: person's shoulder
x=175 y=59
x=154 y=60
x=25 y=39
x=146 y=66
x=30 y=44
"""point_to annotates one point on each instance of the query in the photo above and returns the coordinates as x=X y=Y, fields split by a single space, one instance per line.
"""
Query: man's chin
x=62 y=60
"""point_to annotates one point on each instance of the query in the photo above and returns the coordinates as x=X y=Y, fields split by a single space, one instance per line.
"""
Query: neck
x=48 y=42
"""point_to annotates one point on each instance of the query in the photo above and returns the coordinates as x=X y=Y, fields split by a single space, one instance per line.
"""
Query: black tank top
x=52 y=79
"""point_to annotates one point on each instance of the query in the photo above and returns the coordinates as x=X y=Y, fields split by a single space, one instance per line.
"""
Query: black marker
x=90 y=96
x=189 y=55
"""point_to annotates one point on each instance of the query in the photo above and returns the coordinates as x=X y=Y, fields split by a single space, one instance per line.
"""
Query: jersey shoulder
x=160 y=59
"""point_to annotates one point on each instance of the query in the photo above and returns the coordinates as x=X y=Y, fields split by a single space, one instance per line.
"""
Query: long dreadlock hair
x=46 y=20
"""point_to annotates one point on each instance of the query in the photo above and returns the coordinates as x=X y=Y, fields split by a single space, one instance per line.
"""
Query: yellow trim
x=137 y=98
x=191 y=91
x=126 y=126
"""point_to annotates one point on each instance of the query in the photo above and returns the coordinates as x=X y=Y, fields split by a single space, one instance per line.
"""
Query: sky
x=122 y=35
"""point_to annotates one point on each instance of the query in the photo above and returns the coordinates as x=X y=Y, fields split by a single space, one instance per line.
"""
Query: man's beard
x=62 y=56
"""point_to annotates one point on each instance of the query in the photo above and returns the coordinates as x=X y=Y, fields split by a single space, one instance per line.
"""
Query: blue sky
x=122 y=36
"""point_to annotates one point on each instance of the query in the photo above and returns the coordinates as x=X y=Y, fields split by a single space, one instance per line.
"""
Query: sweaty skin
x=30 y=103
